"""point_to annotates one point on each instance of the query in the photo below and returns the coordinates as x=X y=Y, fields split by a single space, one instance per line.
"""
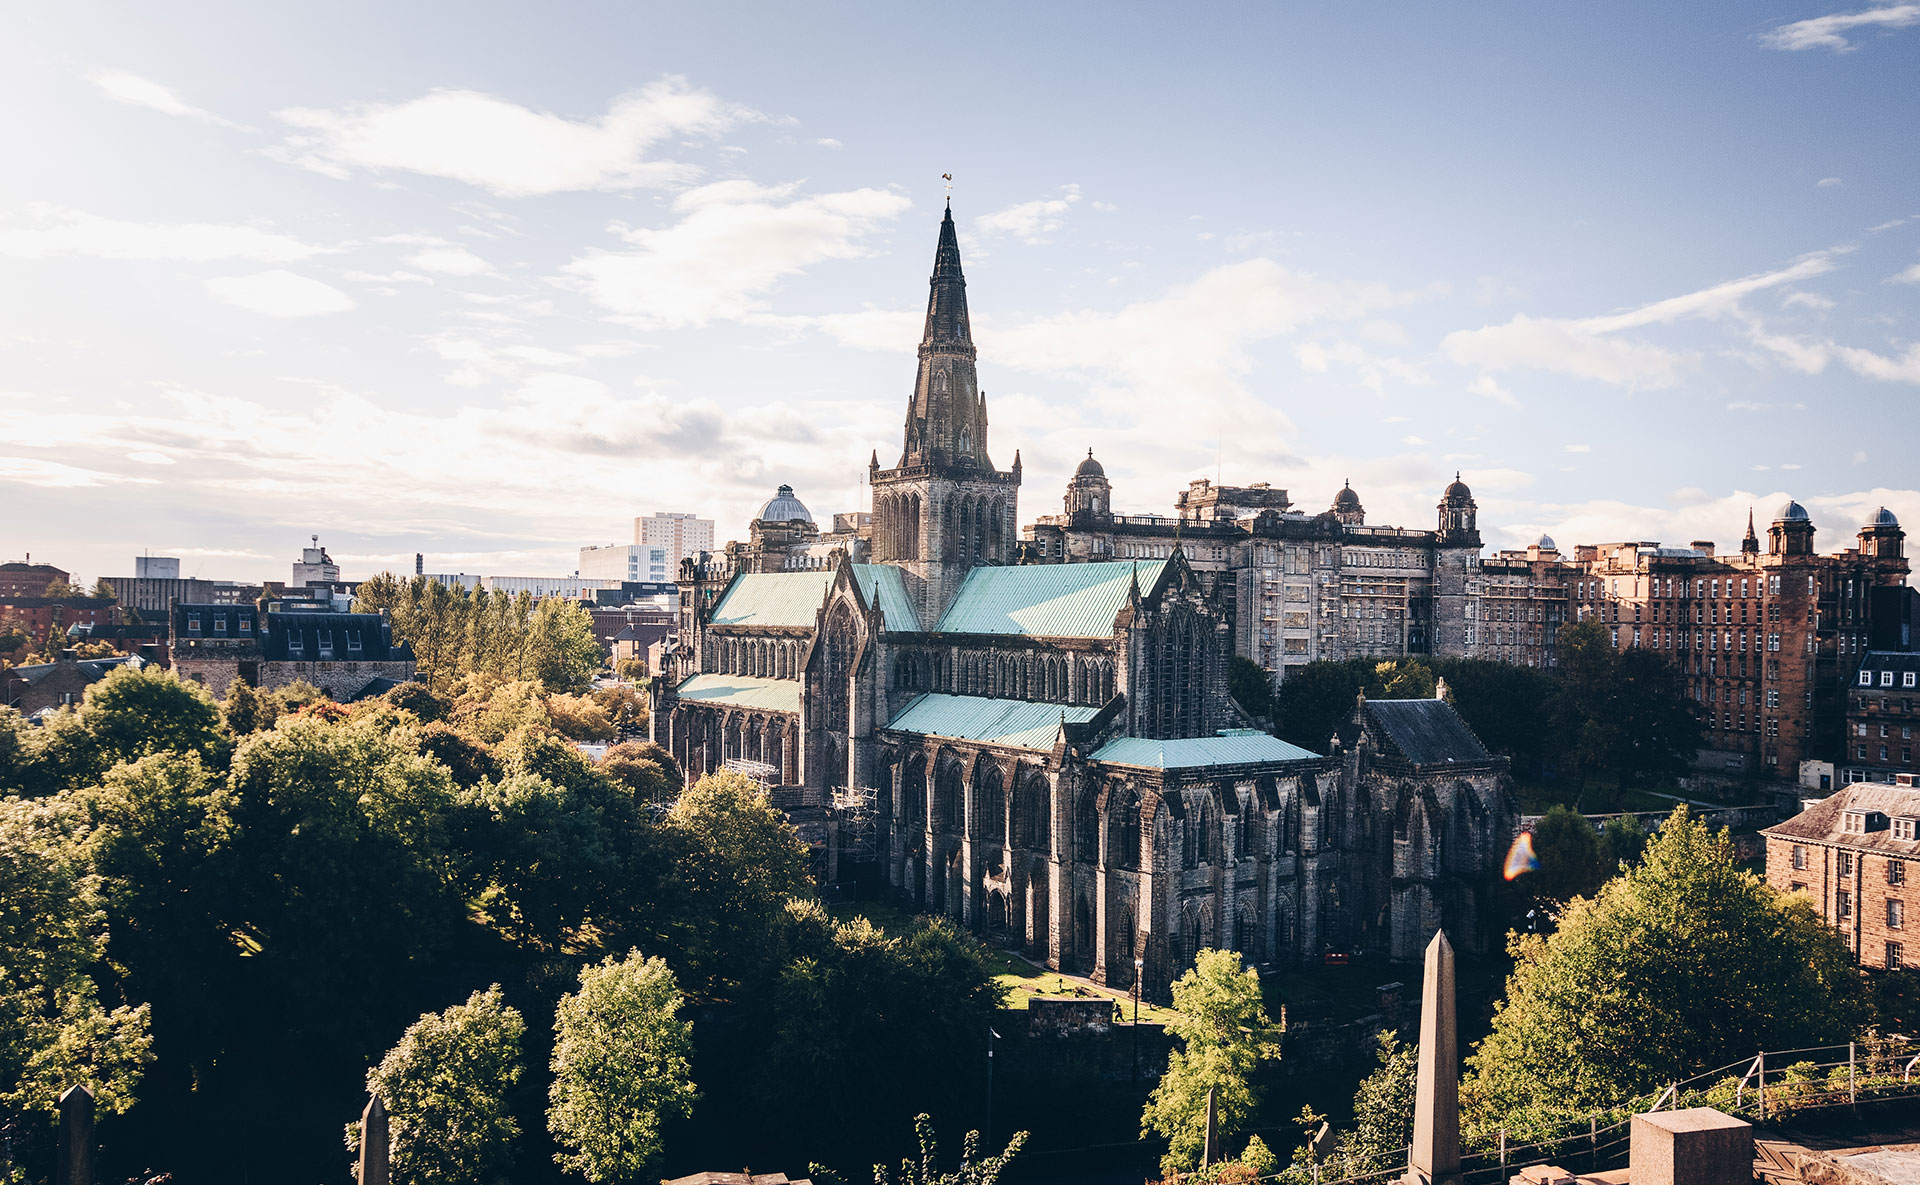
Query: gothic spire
x=1752 y=541
x=947 y=302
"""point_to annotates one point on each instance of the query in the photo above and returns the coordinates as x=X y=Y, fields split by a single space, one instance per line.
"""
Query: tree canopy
x=1225 y=1033
x=1685 y=963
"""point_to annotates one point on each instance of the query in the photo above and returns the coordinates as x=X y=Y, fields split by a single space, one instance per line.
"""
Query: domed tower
x=1791 y=532
x=1347 y=508
x=1459 y=515
x=1090 y=493
x=1881 y=536
x=782 y=525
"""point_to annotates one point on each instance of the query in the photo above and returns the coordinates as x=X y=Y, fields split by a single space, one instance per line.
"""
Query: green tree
x=54 y=1029
x=132 y=713
x=1251 y=687
x=1571 y=862
x=735 y=861
x=1316 y=700
x=445 y=1086
x=63 y=588
x=1684 y=963
x=972 y=1170
x=245 y=711
x=421 y=700
x=564 y=655
x=644 y=768
x=1622 y=841
x=1224 y=1034
x=1382 y=1111
x=1407 y=678
x=103 y=590
x=621 y=1064
x=469 y=761
x=548 y=856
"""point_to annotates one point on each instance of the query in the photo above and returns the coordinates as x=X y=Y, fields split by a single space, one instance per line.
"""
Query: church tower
x=944 y=508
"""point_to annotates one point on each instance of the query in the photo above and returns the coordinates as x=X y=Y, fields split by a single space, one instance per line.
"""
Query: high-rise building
x=684 y=536
x=647 y=562
x=314 y=566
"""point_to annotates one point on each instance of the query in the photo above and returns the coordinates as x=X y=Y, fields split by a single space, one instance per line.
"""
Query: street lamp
x=988 y=1142
x=1137 y=965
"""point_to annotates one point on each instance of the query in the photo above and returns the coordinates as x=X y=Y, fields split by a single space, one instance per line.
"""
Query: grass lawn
x=1022 y=979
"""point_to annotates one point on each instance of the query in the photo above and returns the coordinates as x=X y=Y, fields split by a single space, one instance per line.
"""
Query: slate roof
x=1233 y=746
x=884 y=581
x=1425 y=732
x=1047 y=600
x=95 y=668
x=342 y=637
x=1897 y=661
x=1015 y=723
x=742 y=691
x=790 y=599
x=1821 y=822
x=221 y=623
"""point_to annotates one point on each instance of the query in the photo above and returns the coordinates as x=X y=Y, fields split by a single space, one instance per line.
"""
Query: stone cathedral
x=1046 y=752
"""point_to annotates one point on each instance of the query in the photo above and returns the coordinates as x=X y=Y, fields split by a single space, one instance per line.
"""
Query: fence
x=1773 y=1085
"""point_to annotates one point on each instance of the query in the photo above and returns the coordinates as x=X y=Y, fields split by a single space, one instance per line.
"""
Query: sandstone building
x=346 y=655
x=1046 y=752
x=1855 y=854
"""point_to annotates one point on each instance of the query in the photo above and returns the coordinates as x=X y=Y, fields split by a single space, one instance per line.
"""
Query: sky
x=486 y=281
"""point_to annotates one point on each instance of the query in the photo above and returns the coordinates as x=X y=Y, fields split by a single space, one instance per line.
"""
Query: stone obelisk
x=73 y=1156
x=374 y=1165
x=1434 y=1158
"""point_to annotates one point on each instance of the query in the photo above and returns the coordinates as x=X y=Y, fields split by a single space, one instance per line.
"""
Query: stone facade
x=343 y=654
x=1856 y=856
x=1046 y=752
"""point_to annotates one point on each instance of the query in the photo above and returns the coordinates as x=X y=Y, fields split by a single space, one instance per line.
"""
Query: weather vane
x=948 y=177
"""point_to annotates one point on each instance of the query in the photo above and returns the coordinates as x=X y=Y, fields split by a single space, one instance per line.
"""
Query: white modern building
x=683 y=536
x=315 y=566
x=572 y=587
x=636 y=561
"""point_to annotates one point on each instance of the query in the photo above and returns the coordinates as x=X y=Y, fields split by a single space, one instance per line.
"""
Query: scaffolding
x=856 y=810
x=767 y=775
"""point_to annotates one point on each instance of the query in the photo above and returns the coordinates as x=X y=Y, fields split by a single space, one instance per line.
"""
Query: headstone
x=1434 y=1158
x=373 y=1168
x=1691 y=1146
x=1210 y=1151
x=74 y=1155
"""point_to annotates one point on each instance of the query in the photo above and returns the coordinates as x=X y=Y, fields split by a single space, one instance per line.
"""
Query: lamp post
x=988 y=1141
x=1137 y=965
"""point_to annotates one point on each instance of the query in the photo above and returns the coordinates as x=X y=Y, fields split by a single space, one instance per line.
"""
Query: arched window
x=949 y=814
x=1123 y=811
x=1033 y=814
x=990 y=801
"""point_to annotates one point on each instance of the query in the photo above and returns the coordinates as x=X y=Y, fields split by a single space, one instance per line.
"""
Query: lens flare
x=1520 y=857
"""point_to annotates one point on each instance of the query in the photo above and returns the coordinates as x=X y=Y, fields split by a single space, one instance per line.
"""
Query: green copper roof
x=892 y=592
x=1011 y=722
x=1046 y=600
x=742 y=691
x=1234 y=746
x=774 y=598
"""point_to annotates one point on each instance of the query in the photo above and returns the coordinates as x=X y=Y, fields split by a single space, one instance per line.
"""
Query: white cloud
x=733 y=243
x=280 y=293
x=144 y=92
x=51 y=231
x=1589 y=348
x=829 y=142
x=1030 y=222
x=450 y=261
x=1486 y=384
x=1829 y=32
x=150 y=457
x=1413 y=441
x=1579 y=448
x=32 y=471
x=1909 y=276
x=1806 y=300
x=1903 y=369
x=1827 y=182
x=508 y=149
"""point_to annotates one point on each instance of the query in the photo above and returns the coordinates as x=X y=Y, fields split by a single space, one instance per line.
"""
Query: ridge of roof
x=1047 y=600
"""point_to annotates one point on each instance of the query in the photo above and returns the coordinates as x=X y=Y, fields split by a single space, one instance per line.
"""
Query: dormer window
x=353 y=642
x=326 y=644
x=1866 y=678
x=246 y=625
x=219 y=625
x=1861 y=822
x=296 y=642
x=1886 y=678
x=1903 y=828
x=193 y=623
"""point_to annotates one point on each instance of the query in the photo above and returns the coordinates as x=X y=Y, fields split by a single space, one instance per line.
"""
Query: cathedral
x=1045 y=751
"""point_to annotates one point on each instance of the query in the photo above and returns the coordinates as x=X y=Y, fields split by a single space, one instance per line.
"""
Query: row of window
x=1907 y=678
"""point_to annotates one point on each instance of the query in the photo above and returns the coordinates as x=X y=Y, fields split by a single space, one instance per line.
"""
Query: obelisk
x=1434 y=1158
x=374 y=1165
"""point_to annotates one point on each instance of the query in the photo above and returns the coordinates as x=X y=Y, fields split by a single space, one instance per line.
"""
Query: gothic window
x=1086 y=827
x=840 y=641
x=948 y=813
x=1123 y=809
x=1033 y=814
x=990 y=800
x=913 y=794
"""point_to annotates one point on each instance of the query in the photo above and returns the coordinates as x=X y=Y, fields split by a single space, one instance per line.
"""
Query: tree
x=1251 y=687
x=54 y=1029
x=645 y=768
x=580 y=718
x=1683 y=963
x=63 y=588
x=103 y=590
x=134 y=712
x=621 y=1064
x=971 y=1171
x=735 y=861
x=1382 y=1111
x=1571 y=862
x=246 y=711
x=421 y=700
x=1624 y=711
x=1407 y=678
x=1224 y=1032
x=564 y=655
x=469 y=761
x=1315 y=701
x=1622 y=841
x=445 y=1086
x=548 y=855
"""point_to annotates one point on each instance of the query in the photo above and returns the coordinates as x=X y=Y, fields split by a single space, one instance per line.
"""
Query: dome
x=783 y=507
x=1090 y=467
x=1547 y=544
x=1458 y=491
x=1791 y=512
x=1882 y=518
x=1346 y=499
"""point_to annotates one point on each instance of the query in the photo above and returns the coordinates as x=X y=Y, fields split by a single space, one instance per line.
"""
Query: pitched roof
x=1047 y=600
x=884 y=582
x=1233 y=746
x=1425 y=732
x=742 y=691
x=1016 y=723
x=302 y=636
x=94 y=668
x=790 y=599
x=1821 y=821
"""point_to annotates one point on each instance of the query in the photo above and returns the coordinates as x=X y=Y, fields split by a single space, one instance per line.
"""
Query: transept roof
x=1047 y=600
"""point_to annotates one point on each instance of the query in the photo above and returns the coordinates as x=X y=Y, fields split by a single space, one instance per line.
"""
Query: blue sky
x=487 y=281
